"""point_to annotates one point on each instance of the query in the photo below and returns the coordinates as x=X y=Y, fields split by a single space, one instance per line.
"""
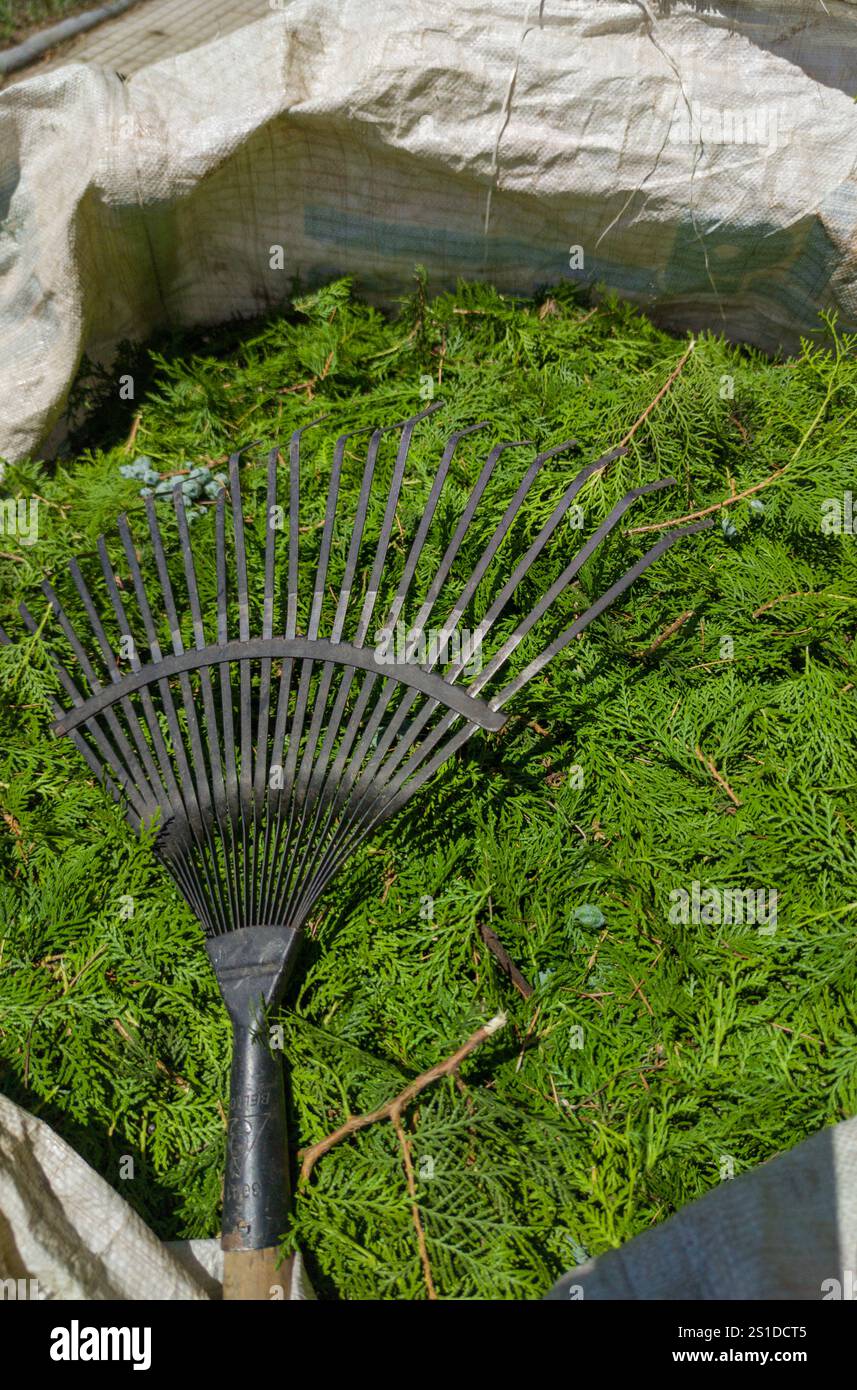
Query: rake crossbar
x=266 y=731
x=255 y=648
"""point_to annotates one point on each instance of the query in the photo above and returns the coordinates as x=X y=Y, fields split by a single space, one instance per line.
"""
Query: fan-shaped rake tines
x=269 y=708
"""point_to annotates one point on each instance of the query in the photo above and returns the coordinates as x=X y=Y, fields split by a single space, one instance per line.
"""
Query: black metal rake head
x=268 y=733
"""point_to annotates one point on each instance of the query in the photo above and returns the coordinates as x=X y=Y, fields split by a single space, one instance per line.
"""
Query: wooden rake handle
x=256 y=1274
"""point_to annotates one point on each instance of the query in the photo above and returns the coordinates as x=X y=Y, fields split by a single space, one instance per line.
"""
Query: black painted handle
x=256 y=1186
x=252 y=966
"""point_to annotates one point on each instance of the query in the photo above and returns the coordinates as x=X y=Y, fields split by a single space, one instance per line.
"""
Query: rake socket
x=252 y=968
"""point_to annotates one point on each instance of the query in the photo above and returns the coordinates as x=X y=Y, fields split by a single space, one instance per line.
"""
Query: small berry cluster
x=199 y=483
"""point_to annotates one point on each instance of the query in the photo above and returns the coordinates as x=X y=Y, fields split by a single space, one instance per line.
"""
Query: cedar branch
x=663 y=391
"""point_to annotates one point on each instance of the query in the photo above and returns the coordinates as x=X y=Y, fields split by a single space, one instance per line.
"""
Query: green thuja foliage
x=19 y=17
x=701 y=736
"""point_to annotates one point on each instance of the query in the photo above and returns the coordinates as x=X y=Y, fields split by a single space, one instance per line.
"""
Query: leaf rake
x=268 y=740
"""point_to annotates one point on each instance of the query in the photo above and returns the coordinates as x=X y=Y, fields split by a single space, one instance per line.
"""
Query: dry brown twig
x=393 y=1108
x=135 y=425
x=504 y=960
x=798 y=593
x=706 y=511
x=415 y=1209
x=667 y=632
x=14 y=827
x=533 y=1021
x=659 y=397
x=708 y=764
x=676 y=371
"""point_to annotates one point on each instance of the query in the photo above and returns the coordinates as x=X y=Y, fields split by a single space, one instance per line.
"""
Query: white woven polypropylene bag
x=700 y=164
x=65 y=1233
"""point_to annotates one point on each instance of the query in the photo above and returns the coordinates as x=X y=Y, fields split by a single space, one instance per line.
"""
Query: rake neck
x=252 y=968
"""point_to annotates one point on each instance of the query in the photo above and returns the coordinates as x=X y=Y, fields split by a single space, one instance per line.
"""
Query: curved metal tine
x=218 y=783
x=426 y=519
x=155 y=649
x=456 y=613
x=382 y=547
x=363 y=808
x=419 y=755
x=454 y=617
x=343 y=776
x=404 y=787
x=284 y=692
x=260 y=778
x=218 y=802
x=443 y=569
x=297 y=791
x=466 y=594
x=296 y=777
x=238 y=780
x=561 y=583
x=183 y=873
x=188 y=798
x=227 y=722
x=595 y=611
x=284 y=800
x=420 y=776
x=381 y=551
x=338 y=621
x=156 y=790
x=245 y=781
x=104 y=764
x=389 y=516
x=385 y=811
x=351 y=833
x=385 y=795
x=293 y=577
x=320 y=764
x=434 y=589
x=181 y=868
x=239 y=788
x=199 y=790
x=547 y=600
x=526 y=562
x=129 y=761
x=309 y=783
x=387 y=800
x=467 y=516
x=171 y=794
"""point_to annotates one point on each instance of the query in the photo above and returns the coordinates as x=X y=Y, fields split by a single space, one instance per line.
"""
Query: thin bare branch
x=396 y=1105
